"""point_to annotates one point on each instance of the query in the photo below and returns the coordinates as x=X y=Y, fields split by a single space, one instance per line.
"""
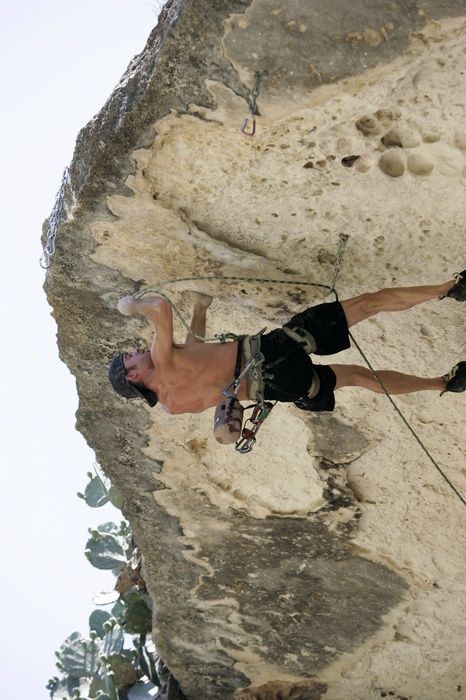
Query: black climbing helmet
x=118 y=380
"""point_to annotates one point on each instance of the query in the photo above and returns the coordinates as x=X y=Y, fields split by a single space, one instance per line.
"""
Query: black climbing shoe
x=458 y=291
x=456 y=379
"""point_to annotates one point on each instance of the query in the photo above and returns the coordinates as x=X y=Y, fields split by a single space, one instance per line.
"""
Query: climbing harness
x=253 y=363
x=228 y=417
x=49 y=247
x=247 y=129
x=259 y=375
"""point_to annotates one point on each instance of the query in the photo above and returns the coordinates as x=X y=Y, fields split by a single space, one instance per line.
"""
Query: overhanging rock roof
x=330 y=561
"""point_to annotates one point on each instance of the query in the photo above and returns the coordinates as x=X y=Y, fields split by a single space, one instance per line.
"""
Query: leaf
x=124 y=670
x=119 y=610
x=146 y=662
x=109 y=528
x=125 y=580
x=113 y=641
x=96 y=621
x=96 y=685
x=63 y=688
x=138 y=615
x=106 y=551
x=79 y=657
x=96 y=494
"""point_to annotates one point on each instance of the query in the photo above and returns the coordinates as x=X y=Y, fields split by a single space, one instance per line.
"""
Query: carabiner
x=248 y=435
x=244 y=128
x=246 y=441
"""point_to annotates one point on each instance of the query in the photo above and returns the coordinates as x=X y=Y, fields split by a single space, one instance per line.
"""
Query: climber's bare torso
x=194 y=377
x=186 y=378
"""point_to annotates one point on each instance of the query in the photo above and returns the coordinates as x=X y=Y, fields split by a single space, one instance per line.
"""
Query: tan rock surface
x=392 y=164
x=335 y=550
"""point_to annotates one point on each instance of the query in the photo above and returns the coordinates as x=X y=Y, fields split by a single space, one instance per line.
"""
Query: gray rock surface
x=330 y=561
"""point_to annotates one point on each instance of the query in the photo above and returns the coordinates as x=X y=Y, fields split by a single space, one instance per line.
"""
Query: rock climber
x=275 y=366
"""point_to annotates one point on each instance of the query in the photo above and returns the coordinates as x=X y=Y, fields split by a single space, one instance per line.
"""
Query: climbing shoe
x=458 y=291
x=456 y=379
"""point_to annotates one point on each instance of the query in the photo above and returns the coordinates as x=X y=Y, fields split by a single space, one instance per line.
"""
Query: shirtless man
x=190 y=378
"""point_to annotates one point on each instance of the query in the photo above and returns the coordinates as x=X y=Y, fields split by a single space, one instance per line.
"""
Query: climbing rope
x=49 y=248
x=405 y=421
x=331 y=288
x=154 y=289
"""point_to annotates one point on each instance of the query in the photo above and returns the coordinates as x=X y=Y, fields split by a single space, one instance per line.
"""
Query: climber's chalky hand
x=127 y=306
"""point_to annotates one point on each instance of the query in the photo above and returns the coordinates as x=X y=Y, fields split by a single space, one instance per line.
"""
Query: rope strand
x=224 y=336
x=154 y=289
x=405 y=421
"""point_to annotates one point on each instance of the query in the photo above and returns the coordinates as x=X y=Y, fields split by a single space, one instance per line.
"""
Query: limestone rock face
x=401 y=136
x=419 y=165
x=329 y=562
x=391 y=163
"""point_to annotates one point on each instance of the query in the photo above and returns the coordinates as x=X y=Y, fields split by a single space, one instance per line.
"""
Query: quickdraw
x=252 y=106
x=248 y=434
x=53 y=223
x=255 y=362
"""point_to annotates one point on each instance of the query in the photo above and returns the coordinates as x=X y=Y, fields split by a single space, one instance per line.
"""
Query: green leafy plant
x=110 y=546
x=99 y=491
x=99 y=666
x=102 y=666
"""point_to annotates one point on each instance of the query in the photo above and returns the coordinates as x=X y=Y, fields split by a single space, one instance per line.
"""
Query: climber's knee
x=359 y=308
x=350 y=375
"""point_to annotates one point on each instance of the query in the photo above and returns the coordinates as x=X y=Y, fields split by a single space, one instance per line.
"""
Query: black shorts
x=327 y=324
x=291 y=379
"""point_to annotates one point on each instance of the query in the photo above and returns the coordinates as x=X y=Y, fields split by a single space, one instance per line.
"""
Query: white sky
x=60 y=61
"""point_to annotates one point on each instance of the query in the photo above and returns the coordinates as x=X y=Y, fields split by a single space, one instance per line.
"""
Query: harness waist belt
x=253 y=355
x=239 y=354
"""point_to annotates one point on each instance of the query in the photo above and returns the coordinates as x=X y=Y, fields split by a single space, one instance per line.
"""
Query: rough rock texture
x=391 y=163
x=330 y=561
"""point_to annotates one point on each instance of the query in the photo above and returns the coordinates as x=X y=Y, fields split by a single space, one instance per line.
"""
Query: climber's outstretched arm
x=198 y=321
x=159 y=312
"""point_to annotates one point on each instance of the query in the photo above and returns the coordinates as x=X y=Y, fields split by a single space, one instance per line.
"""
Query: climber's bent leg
x=391 y=299
x=394 y=382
